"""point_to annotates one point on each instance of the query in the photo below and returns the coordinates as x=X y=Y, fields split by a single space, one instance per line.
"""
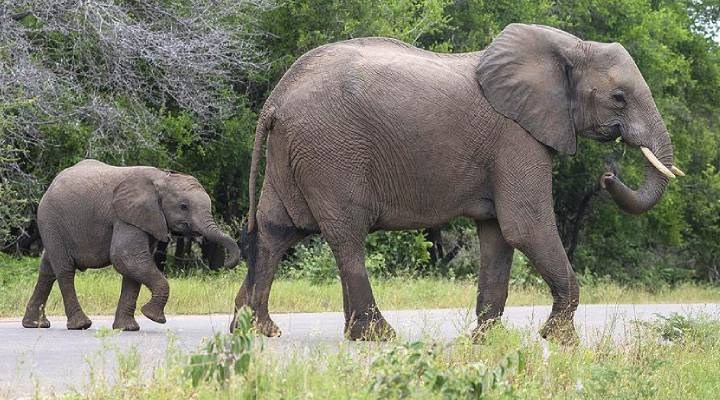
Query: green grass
x=675 y=357
x=510 y=364
x=98 y=291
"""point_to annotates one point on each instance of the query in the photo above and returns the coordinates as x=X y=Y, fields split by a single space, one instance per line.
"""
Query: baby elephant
x=95 y=214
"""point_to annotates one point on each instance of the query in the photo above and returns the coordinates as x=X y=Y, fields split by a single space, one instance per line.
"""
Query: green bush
x=225 y=355
x=411 y=368
x=401 y=252
x=698 y=329
x=313 y=261
x=386 y=254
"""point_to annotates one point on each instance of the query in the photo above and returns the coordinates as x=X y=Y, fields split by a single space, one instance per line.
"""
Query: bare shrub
x=101 y=73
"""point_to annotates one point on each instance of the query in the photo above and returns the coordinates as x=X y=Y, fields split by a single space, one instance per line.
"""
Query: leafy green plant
x=386 y=254
x=681 y=328
x=225 y=355
x=313 y=261
x=404 y=252
x=399 y=371
x=523 y=273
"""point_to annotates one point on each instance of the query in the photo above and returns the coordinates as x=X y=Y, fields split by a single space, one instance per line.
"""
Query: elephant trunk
x=212 y=233
x=658 y=163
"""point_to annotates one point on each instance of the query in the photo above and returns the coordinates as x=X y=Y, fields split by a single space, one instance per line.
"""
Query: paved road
x=58 y=360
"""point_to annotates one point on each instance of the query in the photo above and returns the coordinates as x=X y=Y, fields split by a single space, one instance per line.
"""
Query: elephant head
x=160 y=202
x=555 y=86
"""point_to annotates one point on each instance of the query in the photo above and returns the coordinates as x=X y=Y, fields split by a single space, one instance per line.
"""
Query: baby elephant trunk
x=214 y=234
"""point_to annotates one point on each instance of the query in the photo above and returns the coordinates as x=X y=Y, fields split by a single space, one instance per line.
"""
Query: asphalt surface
x=56 y=360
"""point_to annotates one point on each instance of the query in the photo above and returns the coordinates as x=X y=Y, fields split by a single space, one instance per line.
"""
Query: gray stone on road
x=56 y=360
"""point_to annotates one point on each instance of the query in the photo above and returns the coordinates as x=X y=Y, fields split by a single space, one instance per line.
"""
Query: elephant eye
x=619 y=97
x=184 y=207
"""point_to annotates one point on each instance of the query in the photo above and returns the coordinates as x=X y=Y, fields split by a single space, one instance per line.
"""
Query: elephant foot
x=560 y=330
x=35 y=322
x=261 y=325
x=153 y=313
x=266 y=326
x=126 y=324
x=370 y=329
x=78 y=321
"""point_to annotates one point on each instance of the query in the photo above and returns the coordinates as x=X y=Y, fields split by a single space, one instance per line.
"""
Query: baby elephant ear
x=137 y=203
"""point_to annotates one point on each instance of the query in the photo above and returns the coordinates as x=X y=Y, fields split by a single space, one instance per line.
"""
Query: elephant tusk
x=656 y=163
x=677 y=171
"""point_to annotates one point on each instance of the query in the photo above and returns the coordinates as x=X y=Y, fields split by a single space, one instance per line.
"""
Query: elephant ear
x=136 y=202
x=525 y=74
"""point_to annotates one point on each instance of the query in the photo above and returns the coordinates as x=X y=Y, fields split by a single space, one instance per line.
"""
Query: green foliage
x=523 y=273
x=224 y=355
x=70 y=106
x=301 y=25
x=680 y=66
x=680 y=328
x=411 y=368
x=474 y=23
x=17 y=190
x=313 y=261
x=387 y=254
x=702 y=216
x=13 y=209
x=400 y=252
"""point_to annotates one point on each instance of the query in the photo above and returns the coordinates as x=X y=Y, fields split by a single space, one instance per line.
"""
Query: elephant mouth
x=604 y=133
x=184 y=229
x=186 y=233
x=608 y=133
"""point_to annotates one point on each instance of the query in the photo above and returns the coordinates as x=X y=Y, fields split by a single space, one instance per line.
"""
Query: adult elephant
x=372 y=133
x=94 y=214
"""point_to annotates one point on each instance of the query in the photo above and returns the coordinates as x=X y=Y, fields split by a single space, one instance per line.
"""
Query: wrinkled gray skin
x=372 y=133
x=94 y=214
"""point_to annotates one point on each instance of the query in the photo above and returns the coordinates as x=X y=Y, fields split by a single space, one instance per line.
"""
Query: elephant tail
x=264 y=126
x=248 y=249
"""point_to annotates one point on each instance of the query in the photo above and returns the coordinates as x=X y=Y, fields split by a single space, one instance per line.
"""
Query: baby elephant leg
x=125 y=313
x=131 y=256
x=35 y=310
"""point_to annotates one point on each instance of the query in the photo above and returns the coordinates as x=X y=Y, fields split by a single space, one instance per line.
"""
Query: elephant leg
x=493 y=275
x=363 y=320
x=125 y=312
x=35 y=310
x=274 y=233
x=75 y=315
x=524 y=206
x=160 y=255
x=130 y=254
x=547 y=254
